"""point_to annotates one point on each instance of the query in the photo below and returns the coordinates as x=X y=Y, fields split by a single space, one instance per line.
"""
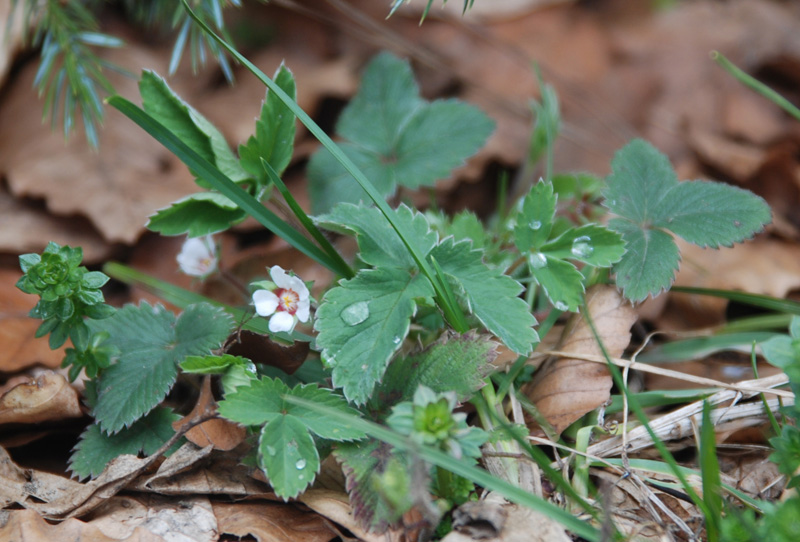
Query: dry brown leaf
x=11 y=43
x=496 y=520
x=190 y=518
x=565 y=389
x=48 y=397
x=116 y=187
x=28 y=526
x=217 y=433
x=20 y=348
x=272 y=522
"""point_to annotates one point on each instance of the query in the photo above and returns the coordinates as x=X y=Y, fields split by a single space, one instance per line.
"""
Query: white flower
x=198 y=256
x=287 y=303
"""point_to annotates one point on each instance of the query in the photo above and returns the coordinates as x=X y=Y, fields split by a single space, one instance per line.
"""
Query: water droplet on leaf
x=535 y=224
x=560 y=305
x=356 y=313
x=271 y=450
x=396 y=339
x=581 y=247
x=538 y=260
x=300 y=464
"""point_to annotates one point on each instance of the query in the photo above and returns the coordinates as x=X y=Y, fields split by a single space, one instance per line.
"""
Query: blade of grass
x=453 y=313
x=307 y=223
x=227 y=187
x=709 y=469
x=460 y=467
x=700 y=347
x=757 y=300
x=773 y=422
x=755 y=84
x=659 y=398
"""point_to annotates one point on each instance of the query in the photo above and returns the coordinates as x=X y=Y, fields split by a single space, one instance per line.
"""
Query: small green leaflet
x=286 y=450
x=363 y=321
x=591 y=244
x=151 y=342
x=455 y=363
x=395 y=137
x=644 y=191
x=209 y=212
x=378 y=242
x=274 y=135
x=96 y=449
x=490 y=295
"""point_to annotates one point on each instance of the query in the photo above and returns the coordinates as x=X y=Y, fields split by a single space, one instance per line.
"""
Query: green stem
x=755 y=84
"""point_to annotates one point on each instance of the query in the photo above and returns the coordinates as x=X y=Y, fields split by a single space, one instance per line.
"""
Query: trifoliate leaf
x=263 y=400
x=188 y=124
x=151 y=342
x=395 y=137
x=644 y=191
x=288 y=456
x=490 y=295
x=196 y=215
x=561 y=281
x=456 y=363
x=535 y=219
x=591 y=244
x=362 y=322
x=96 y=449
x=650 y=262
x=378 y=243
x=274 y=135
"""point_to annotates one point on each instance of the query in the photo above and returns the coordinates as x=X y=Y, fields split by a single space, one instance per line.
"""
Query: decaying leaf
x=495 y=519
x=564 y=389
x=272 y=522
x=47 y=397
x=20 y=348
x=219 y=433
x=28 y=526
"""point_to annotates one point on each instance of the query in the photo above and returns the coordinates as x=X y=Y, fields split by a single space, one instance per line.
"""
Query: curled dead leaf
x=47 y=397
x=217 y=432
x=564 y=389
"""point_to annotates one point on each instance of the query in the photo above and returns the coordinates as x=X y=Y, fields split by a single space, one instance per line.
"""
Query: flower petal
x=302 y=310
x=281 y=321
x=279 y=277
x=198 y=256
x=265 y=301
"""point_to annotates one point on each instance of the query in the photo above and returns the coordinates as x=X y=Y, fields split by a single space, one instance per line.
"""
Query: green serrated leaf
x=591 y=244
x=378 y=243
x=262 y=401
x=641 y=178
x=491 y=296
x=362 y=322
x=363 y=463
x=188 y=124
x=196 y=215
x=288 y=456
x=650 y=262
x=96 y=449
x=274 y=134
x=457 y=363
x=561 y=281
x=535 y=219
x=395 y=137
x=151 y=342
x=711 y=214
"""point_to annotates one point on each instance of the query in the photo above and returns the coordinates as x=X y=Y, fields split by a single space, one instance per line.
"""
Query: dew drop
x=535 y=224
x=581 y=247
x=300 y=464
x=396 y=339
x=538 y=260
x=560 y=305
x=301 y=476
x=271 y=450
x=356 y=313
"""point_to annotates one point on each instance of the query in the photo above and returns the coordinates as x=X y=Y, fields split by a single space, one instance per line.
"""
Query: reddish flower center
x=288 y=300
